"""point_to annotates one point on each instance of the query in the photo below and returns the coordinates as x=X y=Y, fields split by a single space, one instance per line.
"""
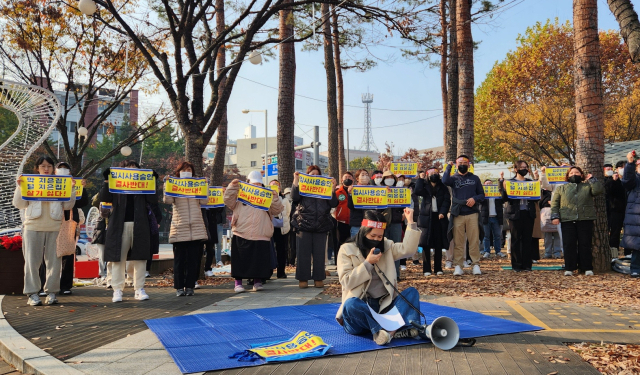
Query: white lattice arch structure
x=38 y=110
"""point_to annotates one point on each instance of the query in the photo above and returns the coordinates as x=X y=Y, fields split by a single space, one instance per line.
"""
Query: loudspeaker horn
x=444 y=333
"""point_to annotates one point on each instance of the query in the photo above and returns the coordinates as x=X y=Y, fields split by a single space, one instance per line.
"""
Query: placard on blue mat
x=203 y=342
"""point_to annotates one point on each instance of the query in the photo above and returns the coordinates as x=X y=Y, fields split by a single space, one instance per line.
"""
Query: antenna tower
x=367 y=140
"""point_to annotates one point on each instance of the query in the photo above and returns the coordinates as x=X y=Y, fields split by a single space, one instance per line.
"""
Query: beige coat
x=286 y=217
x=249 y=222
x=187 y=223
x=354 y=276
x=33 y=215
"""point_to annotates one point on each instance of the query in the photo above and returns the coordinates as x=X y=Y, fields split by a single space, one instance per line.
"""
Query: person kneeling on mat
x=363 y=275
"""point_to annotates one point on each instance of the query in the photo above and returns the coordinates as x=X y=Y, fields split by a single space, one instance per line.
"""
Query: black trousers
x=521 y=237
x=311 y=245
x=615 y=221
x=432 y=238
x=344 y=232
x=210 y=250
x=66 y=276
x=186 y=260
x=535 y=248
x=576 y=242
x=292 y=247
x=281 y=242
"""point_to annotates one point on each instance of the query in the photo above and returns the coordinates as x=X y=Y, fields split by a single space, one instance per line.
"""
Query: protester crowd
x=450 y=216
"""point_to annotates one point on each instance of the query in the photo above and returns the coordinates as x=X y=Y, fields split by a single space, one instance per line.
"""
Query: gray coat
x=141 y=248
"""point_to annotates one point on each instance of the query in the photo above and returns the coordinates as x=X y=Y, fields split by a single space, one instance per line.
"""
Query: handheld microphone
x=376 y=251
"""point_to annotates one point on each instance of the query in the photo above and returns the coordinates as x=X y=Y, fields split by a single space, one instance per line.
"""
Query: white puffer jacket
x=33 y=209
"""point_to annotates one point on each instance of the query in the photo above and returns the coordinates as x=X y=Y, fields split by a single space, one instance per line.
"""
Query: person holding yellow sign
x=129 y=232
x=521 y=213
x=252 y=231
x=312 y=220
x=41 y=225
x=187 y=233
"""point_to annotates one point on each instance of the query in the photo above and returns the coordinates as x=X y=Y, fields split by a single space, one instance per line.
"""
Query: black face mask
x=372 y=244
x=347 y=182
x=523 y=172
x=434 y=178
x=575 y=179
x=463 y=168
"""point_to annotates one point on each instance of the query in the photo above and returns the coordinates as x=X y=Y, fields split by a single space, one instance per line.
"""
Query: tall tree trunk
x=219 y=159
x=465 y=66
x=587 y=81
x=629 y=25
x=194 y=148
x=443 y=67
x=286 y=100
x=340 y=90
x=451 y=142
x=332 y=110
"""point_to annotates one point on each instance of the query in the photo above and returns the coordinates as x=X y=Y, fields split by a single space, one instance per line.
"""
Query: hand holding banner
x=555 y=175
x=315 y=186
x=255 y=196
x=275 y=188
x=522 y=189
x=36 y=187
x=369 y=197
x=407 y=169
x=78 y=187
x=193 y=187
x=131 y=181
x=399 y=197
x=491 y=191
x=215 y=197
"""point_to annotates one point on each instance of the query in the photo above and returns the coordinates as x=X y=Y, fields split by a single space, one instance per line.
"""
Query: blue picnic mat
x=203 y=342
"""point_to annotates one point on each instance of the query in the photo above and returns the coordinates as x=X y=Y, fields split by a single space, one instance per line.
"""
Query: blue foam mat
x=203 y=342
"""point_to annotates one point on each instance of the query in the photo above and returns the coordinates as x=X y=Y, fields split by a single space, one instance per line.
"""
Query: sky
x=401 y=84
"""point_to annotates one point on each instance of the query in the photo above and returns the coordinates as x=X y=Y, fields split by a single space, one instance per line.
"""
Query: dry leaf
x=553 y=373
x=438 y=360
x=536 y=361
x=531 y=351
x=35 y=338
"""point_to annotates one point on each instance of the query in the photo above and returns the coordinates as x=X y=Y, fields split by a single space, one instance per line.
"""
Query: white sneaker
x=403 y=268
x=458 y=271
x=588 y=273
x=427 y=273
x=34 y=300
x=238 y=289
x=208 y=273
x=117 y=296
x=219 y=264
x=466 y=264
x=439 y=273
x=534 y=261
x=141 y=295
x=568 y=273
x=448 y=265
x=486 y=255
x=476 y=270
x=196 y=286
x=502 y=255
x=51 y=299
x=382 y=337
x=147 y=274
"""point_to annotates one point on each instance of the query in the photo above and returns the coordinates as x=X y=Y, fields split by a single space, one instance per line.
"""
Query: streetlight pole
x=266 y=143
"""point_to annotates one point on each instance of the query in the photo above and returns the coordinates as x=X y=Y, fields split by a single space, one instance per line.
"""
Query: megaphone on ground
x=443 y=332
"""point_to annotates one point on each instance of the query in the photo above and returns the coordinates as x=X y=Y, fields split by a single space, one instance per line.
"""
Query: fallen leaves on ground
x=165 y=280
x=619 y=359
x=602 y=290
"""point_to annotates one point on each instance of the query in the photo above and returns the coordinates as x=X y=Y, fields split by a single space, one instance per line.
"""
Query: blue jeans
x=219 y=244
x=354 y=231
x=635 y=261
x=358 y=318
x=394 y=233
x=493 y=227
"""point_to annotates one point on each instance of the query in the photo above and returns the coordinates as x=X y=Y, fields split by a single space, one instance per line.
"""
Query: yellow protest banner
x=491 y=191
x=36 y=187
x=522 y=189
x=555 y=175
x=193 y=187
x=275 y=188
x=315 y=186
x=369 y=197
x=106 y=206
x=78 y=187
x=454 y=169
x=255 y=196
x=407 y=169
x=215 y=197
x=399 y=197
x=302 y=345
x=132 y=181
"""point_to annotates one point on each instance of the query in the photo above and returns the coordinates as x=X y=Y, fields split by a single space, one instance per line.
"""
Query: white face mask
x=400 y=183
x=620 y=171
x=389 y=181
x=184 y=174
x=378 y=180
x=63 y=172
x=608 y=173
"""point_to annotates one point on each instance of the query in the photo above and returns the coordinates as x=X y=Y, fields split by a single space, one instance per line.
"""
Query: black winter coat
x=427 y=191
x=312 y=214
x=513 y=208
x=631 y=183
x=484 y=210
x=141 y=247
x=616 y=196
